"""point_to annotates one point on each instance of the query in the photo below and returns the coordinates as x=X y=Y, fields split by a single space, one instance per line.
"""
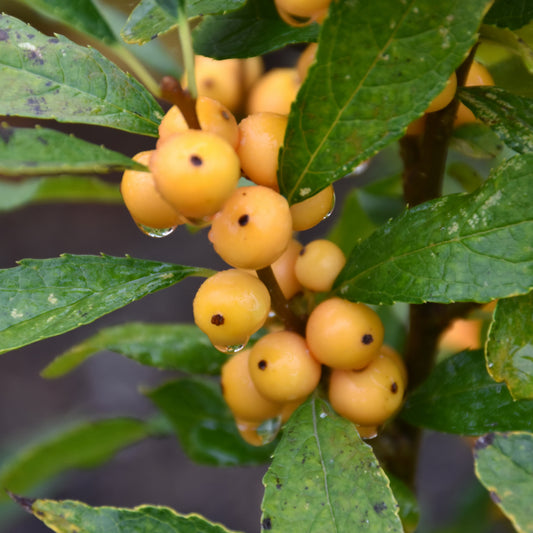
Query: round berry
x=253 y=229
x=283 y=269
x=252 y=69
x=370 y=396
x=261 y=137
x=288 y=408
x=302 y=8
x=306 y=59
x=144 y=203
x=391 y=353
x=248 y=431
x=195 y=171
x=230 y=306
x=307 y=214
x=282 y=367
x=445 y=96
x=343 y=334
x=212 y=116
x=241 y=394
x=318 y=264
x=274 y=92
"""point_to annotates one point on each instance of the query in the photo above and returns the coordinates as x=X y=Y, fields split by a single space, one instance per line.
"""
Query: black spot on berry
x=208 y=83
x=217 y=320
x=225 y=115
x=243 y=220
x=4 y=35
x=302 y=251
x=266 y=523
x=394 y=387
x=367 y=339
x=196 y=160
x=262 y=364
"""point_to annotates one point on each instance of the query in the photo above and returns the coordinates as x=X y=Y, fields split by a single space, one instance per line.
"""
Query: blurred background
x=156 y=471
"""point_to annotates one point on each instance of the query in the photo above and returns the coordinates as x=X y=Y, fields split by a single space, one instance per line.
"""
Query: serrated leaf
x=509 y=115
x=149 y=19
x=462 y=247
x=41 y=151
x=511 y=14
x=509 y=348
x=57 y=189
x=325 y=478
x=81 y=15
x=85 y=445
x=503 y=464
x=204 y=424
x=350 y=106
x=460 y=397
x=236 y=34
x=53 y=78
x=46 y=297
x=70 y=516
x=166 y=346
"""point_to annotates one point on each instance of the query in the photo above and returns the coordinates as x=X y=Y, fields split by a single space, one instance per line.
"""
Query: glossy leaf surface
x=41 y=151
x=462 y=247
x=53 y=78
x=57 y=189
x=204 y=425
x=149 y=19
x=41 y=298
x=236 y=34
x=460 y=397
x=509 y=115
x=509 y=349
x=167 y=346
x=69 y=516
x=85 y=445
x=511 y=14
x=81 y=15
x=503 y=464
x=378 y=66
x=325 y=478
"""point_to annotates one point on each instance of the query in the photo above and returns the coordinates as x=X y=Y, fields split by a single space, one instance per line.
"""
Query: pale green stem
x=187 y=49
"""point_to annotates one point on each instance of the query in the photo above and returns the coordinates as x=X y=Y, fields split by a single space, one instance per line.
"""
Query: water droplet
x=230 y=349
x=361 y=167
x=157 y=233
x=269 y=429
x=328 y=214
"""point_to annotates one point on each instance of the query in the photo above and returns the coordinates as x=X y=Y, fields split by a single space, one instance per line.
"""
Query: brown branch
x=172 y=91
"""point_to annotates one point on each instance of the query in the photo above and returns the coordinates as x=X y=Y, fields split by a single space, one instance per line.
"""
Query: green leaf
x=462 y=247
x=460 y=397
x=167 y=346
x=204 y=424
x=325 y=478
x=40 y=151
x=509 y=115
x=365 y=101
x=353 y=224
x=148 y=19
x=85 y=445
x=503 y=464
x=81 y=15
x=511 y=14
x=465 y=175
x=70 y=516
x=510 y=40
x=57 y=189
x=409 y=509
x=476 y=140
x=53 y=78
x=236 y=34
x=509 y=348
x=46 y=297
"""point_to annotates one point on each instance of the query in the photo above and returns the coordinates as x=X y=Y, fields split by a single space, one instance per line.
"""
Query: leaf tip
x=484 y=441
x=25 y=503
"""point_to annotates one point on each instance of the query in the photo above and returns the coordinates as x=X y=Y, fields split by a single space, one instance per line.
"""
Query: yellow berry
x=212 y=116
x=274 y=92
x=282 y=367
x=195 y=171
x=248 y=432
x=343 y=334
x=288 y=408
x=306 y=59
x=253 y=228
x=241 y=394
x=318 y=264
x=301 y=9
x=445 y=96
x=146 y=206
x=230 y=306
x=261 y=137
x=283 y=269
x=370 y=396
x=307 y=214
x=253 y=68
